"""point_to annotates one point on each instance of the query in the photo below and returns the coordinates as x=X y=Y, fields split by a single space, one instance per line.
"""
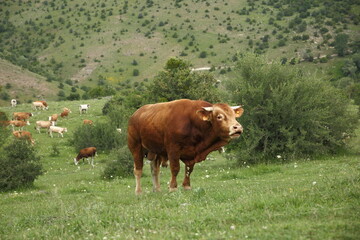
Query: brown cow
x=22 y=116
x=24 y=135
x=65 y=112
x=86 y=121
x=183 y=130
x=86 y=153
x=54 y=117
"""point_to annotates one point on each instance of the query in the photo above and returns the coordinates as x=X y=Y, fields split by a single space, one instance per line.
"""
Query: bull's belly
x=185 y=153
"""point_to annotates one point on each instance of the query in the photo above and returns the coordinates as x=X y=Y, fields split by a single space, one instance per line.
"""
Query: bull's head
x=223 y=119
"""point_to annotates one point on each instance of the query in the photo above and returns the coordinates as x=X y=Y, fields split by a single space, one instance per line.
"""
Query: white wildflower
x=232 y=227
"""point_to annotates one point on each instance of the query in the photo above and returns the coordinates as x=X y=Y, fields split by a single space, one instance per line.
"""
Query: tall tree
x=179 y=81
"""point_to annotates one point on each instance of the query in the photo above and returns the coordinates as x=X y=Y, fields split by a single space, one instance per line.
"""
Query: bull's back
x=153 y=124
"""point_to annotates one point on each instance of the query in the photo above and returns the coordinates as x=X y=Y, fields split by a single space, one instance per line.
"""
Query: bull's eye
x=220 y=117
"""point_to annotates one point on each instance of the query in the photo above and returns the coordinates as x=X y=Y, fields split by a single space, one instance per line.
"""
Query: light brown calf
x=24 y=135
x=43 y=124
x=19 y=124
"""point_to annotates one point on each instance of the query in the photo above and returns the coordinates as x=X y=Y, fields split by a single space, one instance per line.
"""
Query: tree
x=286 y=114
x=19 y=165
x=178 y=81
x=341 y=44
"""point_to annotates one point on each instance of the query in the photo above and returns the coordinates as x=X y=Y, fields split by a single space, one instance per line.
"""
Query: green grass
x=316 y=199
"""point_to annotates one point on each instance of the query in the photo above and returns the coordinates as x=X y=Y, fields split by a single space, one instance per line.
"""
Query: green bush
x=286 y=113
x=4 y=131
x=19 y=165
x=102 y=135
x=121 y=166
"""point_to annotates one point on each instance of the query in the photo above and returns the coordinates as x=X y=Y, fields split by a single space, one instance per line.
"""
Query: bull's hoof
x=172 y=189
x=187 y=188
x=138 y=192
x=156 y=190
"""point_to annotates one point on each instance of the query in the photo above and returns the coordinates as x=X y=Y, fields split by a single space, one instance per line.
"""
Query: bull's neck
x=210 y=139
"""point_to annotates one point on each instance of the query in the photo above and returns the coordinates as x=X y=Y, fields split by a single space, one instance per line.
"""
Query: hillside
x=86 y=43
x=21 y=83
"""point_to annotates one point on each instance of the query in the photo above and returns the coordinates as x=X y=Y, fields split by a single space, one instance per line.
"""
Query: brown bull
x=183 y=130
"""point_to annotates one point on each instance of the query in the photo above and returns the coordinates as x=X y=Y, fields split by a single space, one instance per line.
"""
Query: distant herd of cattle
x=21 y=119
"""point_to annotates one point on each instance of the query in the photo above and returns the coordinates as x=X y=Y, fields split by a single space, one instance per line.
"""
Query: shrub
x=121 y=164
x=287 y=113
x=102 y=135
x=136 y=72
x=19 y=165
x=4 y=131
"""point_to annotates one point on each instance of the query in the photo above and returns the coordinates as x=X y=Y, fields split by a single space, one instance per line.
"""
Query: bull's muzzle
x=236 y=130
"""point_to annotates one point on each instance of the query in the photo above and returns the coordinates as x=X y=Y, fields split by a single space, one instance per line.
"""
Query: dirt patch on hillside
x=25 y=85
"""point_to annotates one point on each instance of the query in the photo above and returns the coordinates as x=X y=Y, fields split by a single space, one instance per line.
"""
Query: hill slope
x=118 y=42
x=21 y=83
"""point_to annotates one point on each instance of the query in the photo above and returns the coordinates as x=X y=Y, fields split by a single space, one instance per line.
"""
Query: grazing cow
x=19 y=124
x=54 y=118
x=65 y=112
x=83 y=108
x=89 y=122
x=22 y=116
x=24 y=135
x=13 y=102
x=41 y=105
x=183 y=130
x=44 y=124
x=86 y=153
x=59 y=130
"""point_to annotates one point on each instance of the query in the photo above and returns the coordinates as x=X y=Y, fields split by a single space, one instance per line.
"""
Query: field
x=304 y=199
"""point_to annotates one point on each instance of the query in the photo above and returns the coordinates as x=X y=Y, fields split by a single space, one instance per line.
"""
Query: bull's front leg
x=188 y=170
x=175 y=168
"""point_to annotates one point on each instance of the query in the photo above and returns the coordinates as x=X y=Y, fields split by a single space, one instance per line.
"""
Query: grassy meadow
x=304 y=199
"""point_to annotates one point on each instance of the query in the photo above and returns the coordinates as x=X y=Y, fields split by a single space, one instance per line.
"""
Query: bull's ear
x=238 y=111
x=205 y=113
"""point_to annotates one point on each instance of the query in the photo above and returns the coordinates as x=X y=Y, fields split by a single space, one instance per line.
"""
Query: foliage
x=122 y=166
x=102 y=135
x=341 y=44
x=287 y=113
x=4 y=132
x=55 y=150
x=19 y=165
x=101 y=91
x=178 y=81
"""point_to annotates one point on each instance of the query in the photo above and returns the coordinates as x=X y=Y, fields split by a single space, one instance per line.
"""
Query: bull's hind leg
x=155 y=171
x=138 y=168
x=138 y=156
x=188 y=170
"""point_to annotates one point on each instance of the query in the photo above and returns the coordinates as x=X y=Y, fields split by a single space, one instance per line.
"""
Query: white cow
x=59 y=130
x=39 y=105
x=83 y=108
x=13 y=102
